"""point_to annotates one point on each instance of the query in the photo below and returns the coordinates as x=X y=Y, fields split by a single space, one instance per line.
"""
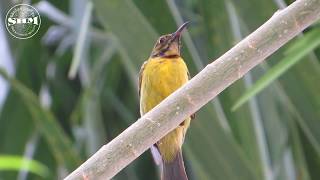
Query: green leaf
x=59 y=142
x=121 y=16
x=17 y=163
x=81 y=40
x=306 y=44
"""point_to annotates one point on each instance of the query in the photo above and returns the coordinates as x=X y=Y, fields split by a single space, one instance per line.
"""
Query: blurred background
x=73 y=87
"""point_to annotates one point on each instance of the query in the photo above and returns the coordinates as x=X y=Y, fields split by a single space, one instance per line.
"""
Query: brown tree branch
x=214 y=78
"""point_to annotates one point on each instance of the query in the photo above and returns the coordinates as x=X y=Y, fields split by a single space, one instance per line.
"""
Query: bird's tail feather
x=174 y=170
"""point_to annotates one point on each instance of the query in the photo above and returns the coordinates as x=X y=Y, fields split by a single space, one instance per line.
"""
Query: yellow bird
x=162 y=74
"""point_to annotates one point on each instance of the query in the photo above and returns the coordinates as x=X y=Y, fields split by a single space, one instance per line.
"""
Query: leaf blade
x=310 y=42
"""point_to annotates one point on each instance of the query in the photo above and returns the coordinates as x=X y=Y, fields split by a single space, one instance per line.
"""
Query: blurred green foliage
x=17 y=163
x=60 y=122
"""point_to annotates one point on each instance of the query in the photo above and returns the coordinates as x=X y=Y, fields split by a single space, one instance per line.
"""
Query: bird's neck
x=168 y=56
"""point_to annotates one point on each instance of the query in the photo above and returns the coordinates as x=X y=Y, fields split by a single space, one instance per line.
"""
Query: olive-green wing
x=154 y=149
x=141 y=75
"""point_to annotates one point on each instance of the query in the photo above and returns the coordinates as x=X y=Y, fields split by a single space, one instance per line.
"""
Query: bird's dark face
x=169 y=45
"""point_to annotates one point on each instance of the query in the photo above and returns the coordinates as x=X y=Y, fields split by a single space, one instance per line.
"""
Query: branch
x=214 y=78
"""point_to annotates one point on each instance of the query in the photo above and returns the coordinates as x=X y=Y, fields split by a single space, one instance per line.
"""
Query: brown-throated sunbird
x=162 y=74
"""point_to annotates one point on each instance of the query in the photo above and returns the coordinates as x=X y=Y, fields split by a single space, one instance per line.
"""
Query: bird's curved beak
x=177 y=34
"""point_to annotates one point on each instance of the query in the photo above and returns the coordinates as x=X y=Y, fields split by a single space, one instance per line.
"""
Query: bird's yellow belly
x=160 y=78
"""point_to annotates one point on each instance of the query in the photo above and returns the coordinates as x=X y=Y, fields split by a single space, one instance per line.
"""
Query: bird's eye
x=161 y=40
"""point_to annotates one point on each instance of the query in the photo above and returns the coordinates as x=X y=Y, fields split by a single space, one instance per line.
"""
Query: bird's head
x=169 y=45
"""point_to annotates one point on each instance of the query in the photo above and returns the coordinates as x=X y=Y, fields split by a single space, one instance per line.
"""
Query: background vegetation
x=73 y=87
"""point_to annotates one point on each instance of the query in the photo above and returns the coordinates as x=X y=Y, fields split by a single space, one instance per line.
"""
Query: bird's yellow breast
x=161 y=77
